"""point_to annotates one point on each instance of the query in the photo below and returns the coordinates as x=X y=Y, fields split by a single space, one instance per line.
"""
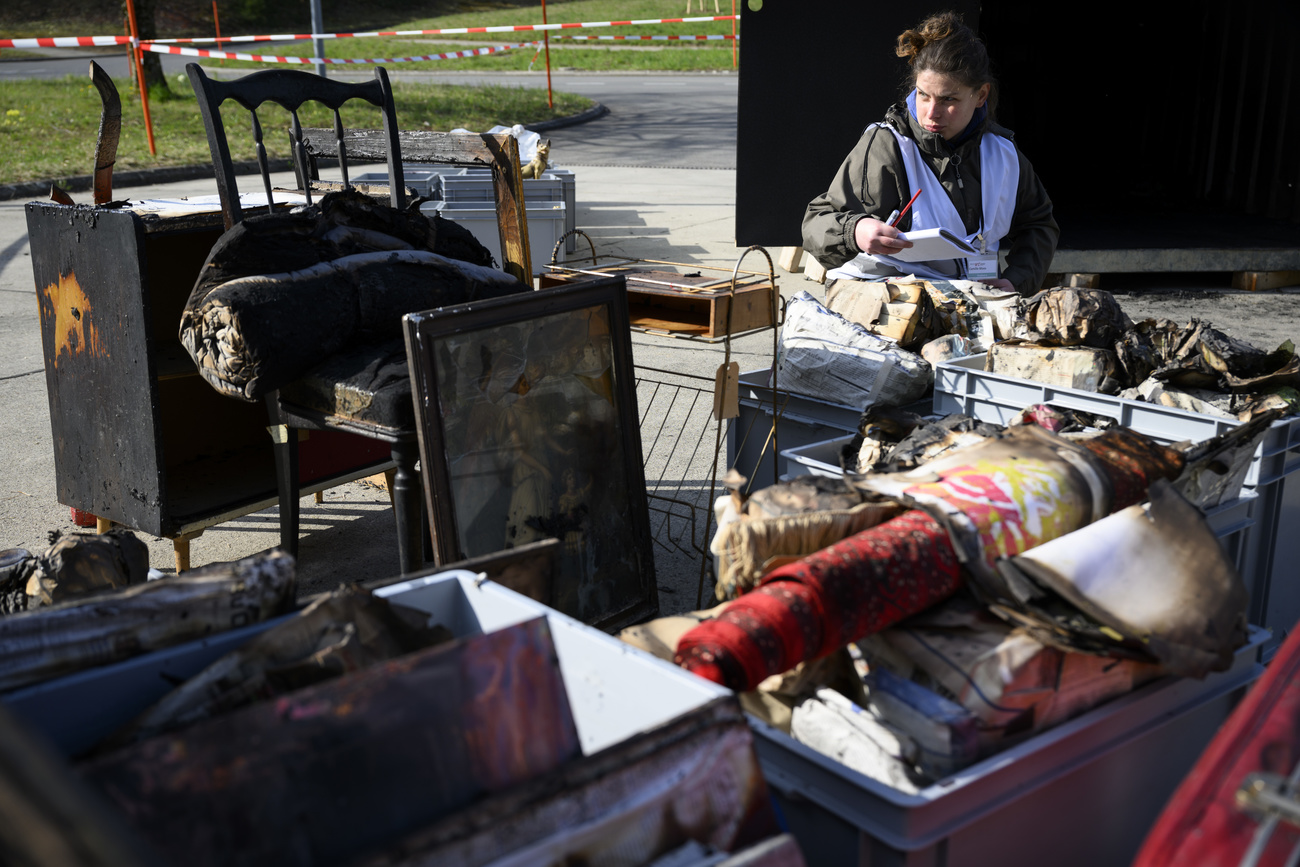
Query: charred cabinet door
x=813 y=75
x=88 y=266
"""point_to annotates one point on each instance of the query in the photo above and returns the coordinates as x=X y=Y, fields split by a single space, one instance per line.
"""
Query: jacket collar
x=903 y=118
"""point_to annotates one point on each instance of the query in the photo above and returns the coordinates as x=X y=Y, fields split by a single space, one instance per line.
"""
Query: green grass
x=48 y=128
x=594 y=55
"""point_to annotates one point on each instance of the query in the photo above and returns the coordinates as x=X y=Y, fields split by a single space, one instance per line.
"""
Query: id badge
x=982 y=267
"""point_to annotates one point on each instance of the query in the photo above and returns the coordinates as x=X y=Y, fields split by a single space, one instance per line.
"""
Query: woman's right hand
x=873 y=236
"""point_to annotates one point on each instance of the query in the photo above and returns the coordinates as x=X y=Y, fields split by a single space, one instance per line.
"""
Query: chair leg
x=407 y=500
x=285 y=441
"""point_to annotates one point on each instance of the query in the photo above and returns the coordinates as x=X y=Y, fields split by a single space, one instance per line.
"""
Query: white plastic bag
x=824 y=355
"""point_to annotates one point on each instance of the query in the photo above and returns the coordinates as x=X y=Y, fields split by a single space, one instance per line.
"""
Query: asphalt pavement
x=655 y=179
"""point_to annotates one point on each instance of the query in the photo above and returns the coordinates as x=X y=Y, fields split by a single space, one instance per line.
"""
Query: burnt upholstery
x=365 y=385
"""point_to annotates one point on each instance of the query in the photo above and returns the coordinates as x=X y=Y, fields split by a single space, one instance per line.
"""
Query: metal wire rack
x=682 y=449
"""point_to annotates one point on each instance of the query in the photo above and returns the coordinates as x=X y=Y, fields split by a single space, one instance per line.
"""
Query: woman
x=941 y=140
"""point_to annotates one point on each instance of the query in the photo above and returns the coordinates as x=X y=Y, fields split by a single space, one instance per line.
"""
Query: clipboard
x=933 y=244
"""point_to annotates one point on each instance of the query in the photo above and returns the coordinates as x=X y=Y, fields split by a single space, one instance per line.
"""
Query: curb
x=596 y=111
x=144 y=177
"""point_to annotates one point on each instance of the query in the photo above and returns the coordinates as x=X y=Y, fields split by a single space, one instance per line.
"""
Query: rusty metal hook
x=555 y=251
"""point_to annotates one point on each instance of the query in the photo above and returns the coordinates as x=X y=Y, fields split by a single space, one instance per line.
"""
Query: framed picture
x=528 y=429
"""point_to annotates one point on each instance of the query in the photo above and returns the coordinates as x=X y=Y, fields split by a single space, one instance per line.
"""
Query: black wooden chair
x=325 y=399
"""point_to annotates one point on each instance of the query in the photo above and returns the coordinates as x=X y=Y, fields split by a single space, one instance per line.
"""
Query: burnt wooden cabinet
x=139 y=437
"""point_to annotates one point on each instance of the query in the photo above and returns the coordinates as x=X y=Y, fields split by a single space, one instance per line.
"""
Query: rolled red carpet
x=808 y=609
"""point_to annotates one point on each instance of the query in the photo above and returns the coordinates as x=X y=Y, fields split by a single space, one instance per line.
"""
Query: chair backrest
x=289 y=89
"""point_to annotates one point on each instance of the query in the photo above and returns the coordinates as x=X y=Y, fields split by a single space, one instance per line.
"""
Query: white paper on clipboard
x=933 y=244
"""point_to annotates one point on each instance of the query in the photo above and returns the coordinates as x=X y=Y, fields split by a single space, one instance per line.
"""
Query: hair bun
x=932 y=29
x=909 y=44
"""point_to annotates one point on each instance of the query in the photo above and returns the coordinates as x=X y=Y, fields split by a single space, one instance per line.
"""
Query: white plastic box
x=1083 y=793
x=615 y=690
x=1272 y=561
x=545 y=226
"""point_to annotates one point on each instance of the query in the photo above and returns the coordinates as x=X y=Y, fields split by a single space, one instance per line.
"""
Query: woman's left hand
x=999 y=283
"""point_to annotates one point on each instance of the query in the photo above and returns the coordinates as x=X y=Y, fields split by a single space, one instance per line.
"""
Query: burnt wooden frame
x=290 y=88
x=499 y=152
x=423 y=332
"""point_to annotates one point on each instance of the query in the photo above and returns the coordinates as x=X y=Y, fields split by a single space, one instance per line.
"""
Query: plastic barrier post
x=546 y=45
x=139 y=74
x=735 y=58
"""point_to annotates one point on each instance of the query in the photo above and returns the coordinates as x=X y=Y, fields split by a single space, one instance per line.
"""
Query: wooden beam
x=813 y=270
x=500 y=153
x=790 y=258
x=1081 y=281
x=1263 y=281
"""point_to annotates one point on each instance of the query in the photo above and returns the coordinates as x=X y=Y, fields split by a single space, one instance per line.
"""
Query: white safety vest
x=999 y=180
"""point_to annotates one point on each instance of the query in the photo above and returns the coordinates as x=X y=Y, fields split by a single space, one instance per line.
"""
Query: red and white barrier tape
x=507 y=28
x=64 y=41
x=670 y=38
x=84 y=41
x=275 y=58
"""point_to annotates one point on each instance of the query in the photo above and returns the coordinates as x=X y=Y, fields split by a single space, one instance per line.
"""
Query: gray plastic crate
x=962 y=385
x=437 y=171
x=816 y=459
x=1272 y=562
x=801 y=420
x=475 y=185
x=1085 y=792
x=58 y=708
x=545 y=226
x=615 y=690
x=422 y=181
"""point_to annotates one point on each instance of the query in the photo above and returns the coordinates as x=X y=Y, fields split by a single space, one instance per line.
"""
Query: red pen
x=906 y=208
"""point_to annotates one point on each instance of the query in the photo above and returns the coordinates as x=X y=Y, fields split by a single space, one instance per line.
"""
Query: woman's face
x=944 y=105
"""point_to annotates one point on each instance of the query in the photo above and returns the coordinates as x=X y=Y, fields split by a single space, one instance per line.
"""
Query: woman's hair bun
x=931 y=30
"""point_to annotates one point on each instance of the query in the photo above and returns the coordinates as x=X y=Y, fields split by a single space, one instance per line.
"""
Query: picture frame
x=528 y=428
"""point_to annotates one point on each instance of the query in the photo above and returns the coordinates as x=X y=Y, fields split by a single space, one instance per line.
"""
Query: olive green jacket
x=872 y=182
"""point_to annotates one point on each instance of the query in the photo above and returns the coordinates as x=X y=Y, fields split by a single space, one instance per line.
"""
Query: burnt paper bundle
x=994 y=499
x=344 y=631
x=279 y=292
x=79 y=563
x=107 y=627
x=1070 y=316
x=75 y=563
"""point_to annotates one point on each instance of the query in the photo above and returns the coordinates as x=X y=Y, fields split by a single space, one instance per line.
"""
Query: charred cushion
x=369 y=384
x=281 y=293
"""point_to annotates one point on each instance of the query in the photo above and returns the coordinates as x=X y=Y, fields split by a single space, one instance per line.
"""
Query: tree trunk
x=152 y=63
